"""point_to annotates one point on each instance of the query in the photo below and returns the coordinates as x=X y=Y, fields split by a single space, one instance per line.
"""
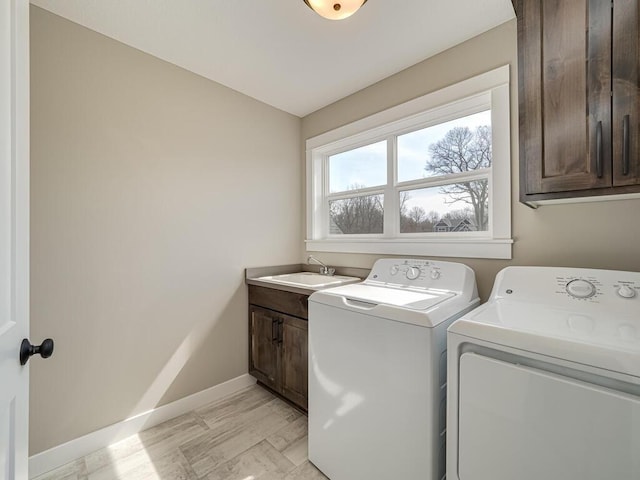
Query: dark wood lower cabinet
x=295 y=360
x=279 y=343
x=265 y=356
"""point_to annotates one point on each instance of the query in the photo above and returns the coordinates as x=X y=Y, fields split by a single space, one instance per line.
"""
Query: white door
x=14 y=236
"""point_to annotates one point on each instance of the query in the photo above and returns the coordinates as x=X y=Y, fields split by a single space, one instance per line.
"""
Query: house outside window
x=429 y=177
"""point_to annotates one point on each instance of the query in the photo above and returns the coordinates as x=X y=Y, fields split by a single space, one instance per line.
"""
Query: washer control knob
x=435 y=274
x=625 y=291
x=394 y=270
x=413 y=273
x=581 y=288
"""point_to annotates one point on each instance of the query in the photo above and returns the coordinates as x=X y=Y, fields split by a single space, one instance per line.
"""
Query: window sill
x=462 y=248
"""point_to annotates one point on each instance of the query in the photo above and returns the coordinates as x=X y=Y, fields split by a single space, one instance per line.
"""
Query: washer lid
x=410 y=298
x=591 y=337
x=422 y=307
x=404 y=297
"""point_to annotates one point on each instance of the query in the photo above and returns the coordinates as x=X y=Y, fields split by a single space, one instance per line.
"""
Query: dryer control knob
x=435 y=274
x=581 y=288
x=394 y=270
x=625 y=291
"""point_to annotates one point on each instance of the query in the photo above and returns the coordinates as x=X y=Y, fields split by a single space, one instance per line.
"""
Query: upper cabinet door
x=626 y=93
x=565 y=94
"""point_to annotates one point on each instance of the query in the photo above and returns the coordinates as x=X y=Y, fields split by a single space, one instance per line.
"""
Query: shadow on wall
x=197 y=347
x=155 y=452
x=203 y=347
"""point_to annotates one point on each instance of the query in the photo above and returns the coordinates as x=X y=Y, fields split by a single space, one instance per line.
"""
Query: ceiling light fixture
x=335 y=9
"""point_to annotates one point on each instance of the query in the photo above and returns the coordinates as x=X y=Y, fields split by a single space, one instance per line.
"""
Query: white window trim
x=490 y=88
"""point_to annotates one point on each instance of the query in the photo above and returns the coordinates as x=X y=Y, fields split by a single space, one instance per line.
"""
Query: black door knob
x=26 y=350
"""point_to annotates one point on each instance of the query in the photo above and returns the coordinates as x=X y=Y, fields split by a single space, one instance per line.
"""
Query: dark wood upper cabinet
x=626 y=92
x=578 y=98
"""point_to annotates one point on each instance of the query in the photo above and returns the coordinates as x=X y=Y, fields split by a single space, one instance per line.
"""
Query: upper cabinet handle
x=625 y=145
x=599 y=150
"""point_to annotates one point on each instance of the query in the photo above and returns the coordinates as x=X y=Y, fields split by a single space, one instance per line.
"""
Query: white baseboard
x=67 y=452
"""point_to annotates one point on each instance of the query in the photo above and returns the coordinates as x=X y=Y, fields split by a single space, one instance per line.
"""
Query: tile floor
x=250 y=435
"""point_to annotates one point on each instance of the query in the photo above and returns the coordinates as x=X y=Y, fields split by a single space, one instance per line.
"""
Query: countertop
x=252 y=274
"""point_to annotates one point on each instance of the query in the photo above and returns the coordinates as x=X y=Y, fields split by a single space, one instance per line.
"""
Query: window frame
x=486 y=91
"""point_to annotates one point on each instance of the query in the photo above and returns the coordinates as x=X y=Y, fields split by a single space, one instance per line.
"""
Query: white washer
x=544 y=379
x=377 y=370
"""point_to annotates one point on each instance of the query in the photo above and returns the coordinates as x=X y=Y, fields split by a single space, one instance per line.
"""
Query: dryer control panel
x=569 y=286
x=420 y=273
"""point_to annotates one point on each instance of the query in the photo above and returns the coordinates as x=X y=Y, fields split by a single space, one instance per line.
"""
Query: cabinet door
x=294 y=337
x=263 y=354
x=626 y=92
x=564 y=56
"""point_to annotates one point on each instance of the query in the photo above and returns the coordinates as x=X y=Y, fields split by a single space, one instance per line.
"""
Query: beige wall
x=152 y=190
x=598 y=235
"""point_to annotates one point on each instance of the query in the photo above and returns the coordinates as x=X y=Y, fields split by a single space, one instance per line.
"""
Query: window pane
x=460 y=145
x=457 y=207
x=356 y=215
x=358 y=168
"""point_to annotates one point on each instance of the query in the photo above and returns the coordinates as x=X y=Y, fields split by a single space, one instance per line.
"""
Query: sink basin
x=310 y=280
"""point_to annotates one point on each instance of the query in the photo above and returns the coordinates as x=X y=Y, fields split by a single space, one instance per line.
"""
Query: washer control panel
x=413 y=270
x=419 y=273
x=570 y=286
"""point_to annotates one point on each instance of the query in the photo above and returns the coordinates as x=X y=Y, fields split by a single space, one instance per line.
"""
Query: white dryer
x=377 y=370
x=544 y=379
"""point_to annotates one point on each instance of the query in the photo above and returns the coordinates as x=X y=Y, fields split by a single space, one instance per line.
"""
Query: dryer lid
x=604 y=340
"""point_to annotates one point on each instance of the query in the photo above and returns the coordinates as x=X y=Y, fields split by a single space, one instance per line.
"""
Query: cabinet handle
x=274 y=330
x=599 y=150
x=625 y=145
x=280 y=331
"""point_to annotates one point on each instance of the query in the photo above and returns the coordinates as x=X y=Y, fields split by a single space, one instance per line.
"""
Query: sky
x=367 y=166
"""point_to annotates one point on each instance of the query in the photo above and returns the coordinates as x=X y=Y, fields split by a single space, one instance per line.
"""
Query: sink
x=309 y=280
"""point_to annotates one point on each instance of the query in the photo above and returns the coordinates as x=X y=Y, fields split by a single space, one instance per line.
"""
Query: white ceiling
x=281 y=52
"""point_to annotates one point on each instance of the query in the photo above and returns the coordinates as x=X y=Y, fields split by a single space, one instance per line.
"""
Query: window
x=429 y=177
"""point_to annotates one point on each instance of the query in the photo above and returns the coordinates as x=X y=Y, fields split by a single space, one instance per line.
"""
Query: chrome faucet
x=324 y=270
